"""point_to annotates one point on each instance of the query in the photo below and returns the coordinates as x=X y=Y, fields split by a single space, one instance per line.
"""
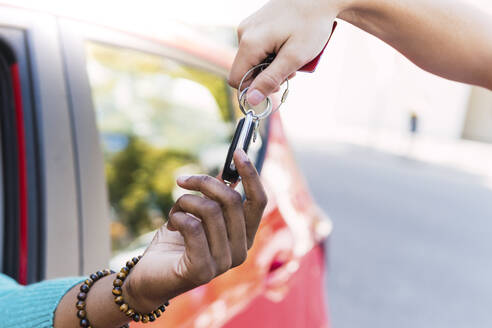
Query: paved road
x=412 y=244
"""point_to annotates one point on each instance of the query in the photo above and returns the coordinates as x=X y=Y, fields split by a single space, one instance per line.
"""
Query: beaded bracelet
x=124 y=307
x=84 y=290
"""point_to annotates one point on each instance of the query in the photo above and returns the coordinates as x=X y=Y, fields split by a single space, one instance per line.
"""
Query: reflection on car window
x=158 y=119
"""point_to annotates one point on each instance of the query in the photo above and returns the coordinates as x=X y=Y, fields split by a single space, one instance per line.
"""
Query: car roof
x=165 y=30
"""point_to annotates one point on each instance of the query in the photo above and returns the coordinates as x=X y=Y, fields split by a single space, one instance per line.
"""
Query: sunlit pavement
x=412 y=241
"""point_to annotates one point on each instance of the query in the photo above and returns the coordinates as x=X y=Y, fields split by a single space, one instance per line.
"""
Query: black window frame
x=10 y=257
x=14 y=49
x=47 y=128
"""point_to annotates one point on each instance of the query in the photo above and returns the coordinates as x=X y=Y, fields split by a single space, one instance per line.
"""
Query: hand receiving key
x=214 y=233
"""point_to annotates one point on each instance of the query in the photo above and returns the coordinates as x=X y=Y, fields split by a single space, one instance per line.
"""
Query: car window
x=158 y=118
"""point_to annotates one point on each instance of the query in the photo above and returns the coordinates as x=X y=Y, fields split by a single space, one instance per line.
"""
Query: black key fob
x=245 y=131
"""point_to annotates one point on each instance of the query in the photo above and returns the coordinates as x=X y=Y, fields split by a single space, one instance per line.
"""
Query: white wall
x=478 y=123
x=364 y=86
x=362 y=83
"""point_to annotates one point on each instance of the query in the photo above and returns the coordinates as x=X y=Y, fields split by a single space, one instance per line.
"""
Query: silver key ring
x=242 y=93
x=262 y=115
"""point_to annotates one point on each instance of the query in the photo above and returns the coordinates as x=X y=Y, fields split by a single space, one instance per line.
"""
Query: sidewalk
x=469 y=156
x=411 y=242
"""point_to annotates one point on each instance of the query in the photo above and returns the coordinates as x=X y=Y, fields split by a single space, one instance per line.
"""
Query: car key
x=246 y=131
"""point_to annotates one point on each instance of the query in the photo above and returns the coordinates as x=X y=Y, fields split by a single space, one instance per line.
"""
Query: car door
x=39 y=211
x=146 y=111
x=133 y=96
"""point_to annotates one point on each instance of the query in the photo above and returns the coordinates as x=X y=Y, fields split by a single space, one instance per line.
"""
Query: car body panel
x=281 y=282
x=285 y=266
x=303 y=304
x=58 y=209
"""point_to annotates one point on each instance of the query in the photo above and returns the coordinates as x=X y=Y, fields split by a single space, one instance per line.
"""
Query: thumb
x=269 y=80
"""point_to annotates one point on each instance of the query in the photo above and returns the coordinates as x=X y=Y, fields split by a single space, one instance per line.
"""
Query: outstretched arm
x=449 y=38
x=206 y=235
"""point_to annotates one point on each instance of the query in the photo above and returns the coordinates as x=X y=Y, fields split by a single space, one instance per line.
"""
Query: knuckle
x=240 y=257
x=180 y=199
x=183 y=199
x=247 y=162
x=247 y=40
x=235 y=197
x=205 y=179
x=172 y=217
x=195 y=227
x=293 y=58
x=270 y=80
x=262 y=200
x=250 y=243
x=206 y=273
x=225 y=264
x=251 y=172
x=212 y=208
x=232 y=81
x=241 y=28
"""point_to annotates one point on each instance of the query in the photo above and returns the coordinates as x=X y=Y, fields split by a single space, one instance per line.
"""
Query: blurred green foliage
x=155 y=115
x=141 y=177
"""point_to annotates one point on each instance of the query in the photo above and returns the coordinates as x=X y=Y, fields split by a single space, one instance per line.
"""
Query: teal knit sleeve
x=31 y=306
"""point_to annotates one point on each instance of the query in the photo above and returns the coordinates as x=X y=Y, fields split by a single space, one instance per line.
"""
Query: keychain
x=247 y=127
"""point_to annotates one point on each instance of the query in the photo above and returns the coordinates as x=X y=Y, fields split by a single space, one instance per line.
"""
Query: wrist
x=362 y=13
x=135 y=296
x=346 y=10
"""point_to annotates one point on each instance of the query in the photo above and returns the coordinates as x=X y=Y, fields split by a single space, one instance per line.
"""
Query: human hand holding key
x=247 y=128
x=296 y=31
x=262 y=66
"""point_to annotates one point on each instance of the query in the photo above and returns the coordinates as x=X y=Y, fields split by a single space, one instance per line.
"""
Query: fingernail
x=183 y=178
x=243 y=157
x=255 y=97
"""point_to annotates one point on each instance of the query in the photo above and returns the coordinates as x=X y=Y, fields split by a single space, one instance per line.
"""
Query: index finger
x=256 y=199
x=248 y=55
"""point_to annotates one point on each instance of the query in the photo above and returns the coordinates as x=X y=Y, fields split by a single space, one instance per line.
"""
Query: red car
x=97 y=121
